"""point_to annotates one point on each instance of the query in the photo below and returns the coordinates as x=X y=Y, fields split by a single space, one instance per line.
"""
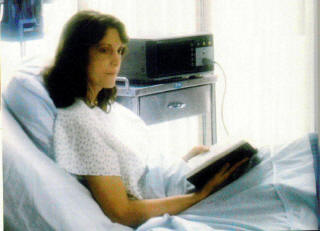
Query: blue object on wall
x=22 y=20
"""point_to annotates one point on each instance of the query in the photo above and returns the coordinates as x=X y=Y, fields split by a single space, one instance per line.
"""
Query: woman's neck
x=92 y=99
x=92 y=96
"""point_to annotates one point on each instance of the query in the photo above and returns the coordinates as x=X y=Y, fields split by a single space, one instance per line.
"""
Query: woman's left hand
x=196 y=151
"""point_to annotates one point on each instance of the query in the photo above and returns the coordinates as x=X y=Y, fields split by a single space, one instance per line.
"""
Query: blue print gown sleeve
x=80 y=148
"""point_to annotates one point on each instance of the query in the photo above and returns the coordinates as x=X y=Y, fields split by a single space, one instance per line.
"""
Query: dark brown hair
x=67 y=78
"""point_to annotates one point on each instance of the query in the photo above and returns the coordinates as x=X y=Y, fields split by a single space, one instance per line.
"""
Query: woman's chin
x=109 y=85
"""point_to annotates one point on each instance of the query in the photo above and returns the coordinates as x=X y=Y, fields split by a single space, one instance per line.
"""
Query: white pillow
x=39 y=195
x=29 y=102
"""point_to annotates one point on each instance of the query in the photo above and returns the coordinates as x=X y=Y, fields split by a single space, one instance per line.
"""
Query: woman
x=102 y=143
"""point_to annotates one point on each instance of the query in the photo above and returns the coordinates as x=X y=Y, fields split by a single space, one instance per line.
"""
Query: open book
x=206 y=165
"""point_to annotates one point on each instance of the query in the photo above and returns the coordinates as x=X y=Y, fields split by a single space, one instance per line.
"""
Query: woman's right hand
x=219 y=178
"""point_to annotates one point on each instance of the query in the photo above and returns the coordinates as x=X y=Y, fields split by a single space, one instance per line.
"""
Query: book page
x=215 y=150
x=201 y=158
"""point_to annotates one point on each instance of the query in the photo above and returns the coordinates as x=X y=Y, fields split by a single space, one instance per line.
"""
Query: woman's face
x=105 y=61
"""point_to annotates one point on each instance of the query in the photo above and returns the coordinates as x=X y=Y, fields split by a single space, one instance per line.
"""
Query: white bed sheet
x=278 y=194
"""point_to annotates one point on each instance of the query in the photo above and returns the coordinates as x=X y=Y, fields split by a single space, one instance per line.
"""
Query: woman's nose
x=116 y=59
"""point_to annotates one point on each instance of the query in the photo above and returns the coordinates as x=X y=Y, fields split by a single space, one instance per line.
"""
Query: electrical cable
x=223 y=97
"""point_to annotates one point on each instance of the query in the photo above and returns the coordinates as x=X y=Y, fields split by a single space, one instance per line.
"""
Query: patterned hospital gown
x=90 y=141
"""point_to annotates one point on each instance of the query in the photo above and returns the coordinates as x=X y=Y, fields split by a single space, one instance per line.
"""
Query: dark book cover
x=231 y=154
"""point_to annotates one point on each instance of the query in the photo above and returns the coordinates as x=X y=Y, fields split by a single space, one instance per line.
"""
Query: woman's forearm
x=111 y=195
x=139 y=211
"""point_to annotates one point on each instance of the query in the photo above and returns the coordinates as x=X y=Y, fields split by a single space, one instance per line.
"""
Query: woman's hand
x=225 y=172
x=196 y=151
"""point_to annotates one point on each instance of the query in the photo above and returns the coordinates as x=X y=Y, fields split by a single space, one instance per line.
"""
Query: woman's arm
x=195 y=151
x=110 y=193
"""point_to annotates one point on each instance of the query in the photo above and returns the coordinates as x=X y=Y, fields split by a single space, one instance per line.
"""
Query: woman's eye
x=109 y=51
x=104 y=50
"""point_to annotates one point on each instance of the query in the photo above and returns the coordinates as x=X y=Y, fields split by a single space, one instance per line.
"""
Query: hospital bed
x=282 y=192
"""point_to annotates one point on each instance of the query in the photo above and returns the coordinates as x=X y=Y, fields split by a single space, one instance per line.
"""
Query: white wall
x=268 y=55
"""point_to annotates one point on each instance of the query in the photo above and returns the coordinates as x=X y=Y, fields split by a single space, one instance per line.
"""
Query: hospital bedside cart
x=173 y=100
